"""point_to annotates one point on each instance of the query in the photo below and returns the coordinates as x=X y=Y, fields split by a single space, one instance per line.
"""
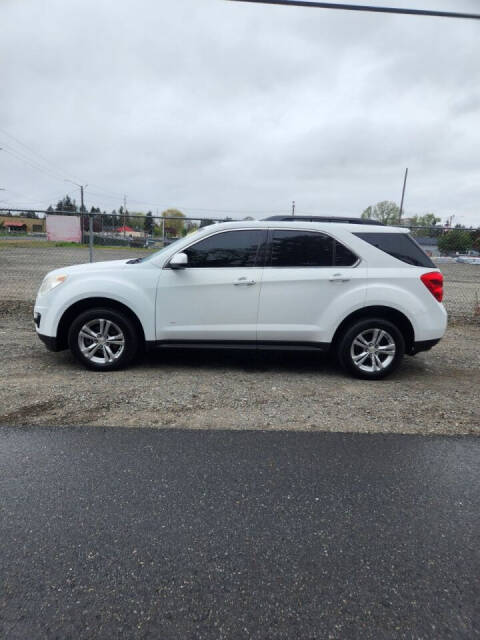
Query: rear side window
x=308 y=249
x=301 y=249
x=229 y=249
x=400 y=246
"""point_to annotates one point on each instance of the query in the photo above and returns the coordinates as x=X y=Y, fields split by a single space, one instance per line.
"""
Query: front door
x=215 y=297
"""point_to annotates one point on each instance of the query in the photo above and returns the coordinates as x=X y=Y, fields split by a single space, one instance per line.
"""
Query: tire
x=371 y=348
x=103 y=339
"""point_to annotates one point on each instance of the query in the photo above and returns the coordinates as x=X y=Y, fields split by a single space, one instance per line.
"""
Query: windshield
x=156 y=254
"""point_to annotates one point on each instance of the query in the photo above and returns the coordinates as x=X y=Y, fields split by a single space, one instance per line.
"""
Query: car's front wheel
x=371 y=348
x=103 y=339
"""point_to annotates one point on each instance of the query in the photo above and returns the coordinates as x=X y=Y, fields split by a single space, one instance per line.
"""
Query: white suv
x=366 y=291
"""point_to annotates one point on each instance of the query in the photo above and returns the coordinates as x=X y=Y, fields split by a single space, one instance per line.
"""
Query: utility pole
x=293 y=208
x=403 y=194
x=82 y=211
x=90 y=224
x=124 y=217
x=163 y=229
x=90 y=218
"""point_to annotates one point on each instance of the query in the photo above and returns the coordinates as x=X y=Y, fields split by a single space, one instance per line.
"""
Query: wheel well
x=396 y=317
x=88 y=303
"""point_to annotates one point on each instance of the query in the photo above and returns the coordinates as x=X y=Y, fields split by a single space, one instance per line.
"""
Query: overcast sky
x=214 y=106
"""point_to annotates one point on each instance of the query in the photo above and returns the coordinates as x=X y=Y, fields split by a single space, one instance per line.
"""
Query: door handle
x=338 y=277
x=243 y=282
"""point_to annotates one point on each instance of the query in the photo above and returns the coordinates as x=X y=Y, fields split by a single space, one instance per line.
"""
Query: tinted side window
x=301 y=249
x=400 y=246
x=228 y=249
x=343 y=256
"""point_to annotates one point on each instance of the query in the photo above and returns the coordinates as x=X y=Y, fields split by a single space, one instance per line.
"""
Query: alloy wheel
x=373 y=350
x=101 y=341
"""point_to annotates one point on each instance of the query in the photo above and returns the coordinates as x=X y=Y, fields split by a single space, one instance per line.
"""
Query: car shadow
x=243 y=360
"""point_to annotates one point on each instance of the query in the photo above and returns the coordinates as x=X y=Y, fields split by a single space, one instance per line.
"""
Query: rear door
x=215 y=298
x=310 y=280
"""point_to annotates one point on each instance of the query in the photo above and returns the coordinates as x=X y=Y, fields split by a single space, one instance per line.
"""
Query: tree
x=148 y=223
x=385 y=212
x=173 y=227
x=190 y=227
x=136 y=220
x=66 y=205
x=455 y=240
x=96 y=220
x=428 y=222
x=115 y=220
x=105 y=220
x=124 y=217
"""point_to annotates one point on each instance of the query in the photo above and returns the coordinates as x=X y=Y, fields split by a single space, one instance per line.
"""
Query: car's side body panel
x=304 y=304
x=208 y=304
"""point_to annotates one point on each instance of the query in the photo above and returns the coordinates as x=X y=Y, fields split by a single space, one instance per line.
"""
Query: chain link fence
x=26 y=255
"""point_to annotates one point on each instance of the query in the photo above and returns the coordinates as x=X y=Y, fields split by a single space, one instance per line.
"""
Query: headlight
x=50 y=283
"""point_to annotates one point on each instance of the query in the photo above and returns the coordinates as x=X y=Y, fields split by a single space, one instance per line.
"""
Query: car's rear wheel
x=103 y=339
x=371 y=348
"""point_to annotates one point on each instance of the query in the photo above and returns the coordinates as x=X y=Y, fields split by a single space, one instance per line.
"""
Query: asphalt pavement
x=142 y=533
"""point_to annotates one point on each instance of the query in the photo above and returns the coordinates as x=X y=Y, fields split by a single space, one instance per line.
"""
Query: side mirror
x=179 y=261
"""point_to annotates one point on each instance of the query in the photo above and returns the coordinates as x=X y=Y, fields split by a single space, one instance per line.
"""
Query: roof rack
x=325 y=219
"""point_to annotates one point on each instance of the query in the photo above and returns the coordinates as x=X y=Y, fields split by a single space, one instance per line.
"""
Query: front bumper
x=50 y=342
x=42 y=318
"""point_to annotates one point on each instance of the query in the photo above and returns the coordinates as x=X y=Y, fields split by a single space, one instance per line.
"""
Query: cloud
x=206 y=104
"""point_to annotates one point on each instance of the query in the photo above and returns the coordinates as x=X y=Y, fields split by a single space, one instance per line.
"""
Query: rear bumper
x=50 y=342
x=424 y=345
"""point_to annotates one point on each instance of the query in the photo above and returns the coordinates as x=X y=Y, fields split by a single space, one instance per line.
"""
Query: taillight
x=434 y=283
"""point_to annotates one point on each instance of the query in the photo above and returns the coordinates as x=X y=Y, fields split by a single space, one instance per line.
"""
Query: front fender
x=140 y=300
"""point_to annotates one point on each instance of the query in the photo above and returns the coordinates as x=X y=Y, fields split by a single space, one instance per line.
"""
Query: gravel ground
x=435 y=392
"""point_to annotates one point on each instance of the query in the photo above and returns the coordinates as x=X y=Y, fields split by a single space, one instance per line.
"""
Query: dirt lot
x=436 y=392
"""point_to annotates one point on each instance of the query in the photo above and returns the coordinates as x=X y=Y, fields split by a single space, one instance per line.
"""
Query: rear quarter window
x=398 y=245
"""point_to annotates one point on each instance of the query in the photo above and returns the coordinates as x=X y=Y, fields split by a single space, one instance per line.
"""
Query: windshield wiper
x=134 y=260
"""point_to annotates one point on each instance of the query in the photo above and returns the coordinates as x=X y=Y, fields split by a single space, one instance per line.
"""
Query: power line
x=372 y=9
x=18 y=155
x=108 y=193
x=149 y=203
x=47 y=162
